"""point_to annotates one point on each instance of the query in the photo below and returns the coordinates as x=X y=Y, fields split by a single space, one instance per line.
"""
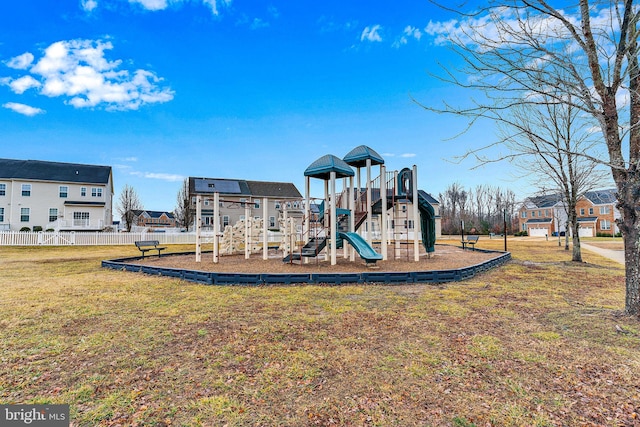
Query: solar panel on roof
x=217 y=185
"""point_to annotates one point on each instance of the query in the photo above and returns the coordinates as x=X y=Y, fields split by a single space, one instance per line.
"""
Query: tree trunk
x=577 y=253
x=630 y=227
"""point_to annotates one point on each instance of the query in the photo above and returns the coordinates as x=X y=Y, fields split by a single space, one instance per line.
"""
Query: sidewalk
x=617 y=256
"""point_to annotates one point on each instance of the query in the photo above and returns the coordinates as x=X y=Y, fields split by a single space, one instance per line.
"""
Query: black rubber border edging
x=257 y=279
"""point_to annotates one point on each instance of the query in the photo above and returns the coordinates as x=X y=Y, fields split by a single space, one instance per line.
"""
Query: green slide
x=361 y=246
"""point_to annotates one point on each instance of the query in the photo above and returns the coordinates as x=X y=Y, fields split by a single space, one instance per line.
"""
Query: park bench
x=470 y=240
x=149 y=245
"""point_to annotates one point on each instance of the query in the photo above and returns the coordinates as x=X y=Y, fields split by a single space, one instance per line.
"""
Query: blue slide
x=361 y=246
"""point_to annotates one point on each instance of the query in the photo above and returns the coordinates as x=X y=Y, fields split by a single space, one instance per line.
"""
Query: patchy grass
x=538 y=342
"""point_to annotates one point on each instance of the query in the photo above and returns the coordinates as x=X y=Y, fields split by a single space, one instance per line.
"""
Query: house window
x=24 y=214
x=206 y=202
x=80 y=219
x=243 y=202
x=256 y=205
x=524 y=227
x=1 y=214
x=241 y=217
x=540 y=213
x=64 y=191
x=26 y=190
x=523 y=214
x=3 y=189
x=605 y=224
x=225 y=220
x=53 y=214
x=582 y=212
x=590 y=211
x=546 y=212
x=295 y=205
x=605 y=210
x=533 y=214
x=410 y=224
x=83 y=191
x=404 y=208
x=96 y=192
x=288 y=205
x=272 y=222
x=277 y=205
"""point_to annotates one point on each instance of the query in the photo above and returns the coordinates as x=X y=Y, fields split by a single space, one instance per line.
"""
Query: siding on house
x=54 y=195
x=235 y=194
x=596 y=212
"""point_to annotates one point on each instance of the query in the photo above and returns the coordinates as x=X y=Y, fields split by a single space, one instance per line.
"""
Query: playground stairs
x=310 y=250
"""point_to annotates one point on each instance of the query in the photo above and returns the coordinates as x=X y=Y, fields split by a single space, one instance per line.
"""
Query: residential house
x=546 y=215
x=53 y=195
x=597 y=213
x=154 y=219
x=238 y=194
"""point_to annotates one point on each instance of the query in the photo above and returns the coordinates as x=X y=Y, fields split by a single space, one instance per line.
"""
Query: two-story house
x=546 y=215
x=597 y=213
x=543 y=215
x=53 y=195
x=154 y=219
x=236 y=194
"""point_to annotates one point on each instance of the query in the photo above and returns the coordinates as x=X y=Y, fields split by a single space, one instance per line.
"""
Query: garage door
x=586 y=232
x=537 y=232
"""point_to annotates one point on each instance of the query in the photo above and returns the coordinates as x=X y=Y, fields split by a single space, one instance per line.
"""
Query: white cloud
x=408 y=155
x=414 y=32
x=88 y=5
x=23 y=109
x=161 y=176
x=214 y=4
x=21 y=84
x=151 y=4
x=20 y=62
x=78 y=71
x=371 y=34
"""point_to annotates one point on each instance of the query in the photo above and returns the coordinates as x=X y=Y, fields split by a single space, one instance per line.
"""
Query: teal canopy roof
x=359 y=155
x=323 y=167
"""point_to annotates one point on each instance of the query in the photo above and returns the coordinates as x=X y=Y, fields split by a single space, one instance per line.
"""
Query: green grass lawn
x=538 y=342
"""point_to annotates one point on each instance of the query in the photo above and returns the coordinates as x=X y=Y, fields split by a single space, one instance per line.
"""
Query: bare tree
x=544 y=140
x=183 y=211
x=127 y=203
x=518 y=50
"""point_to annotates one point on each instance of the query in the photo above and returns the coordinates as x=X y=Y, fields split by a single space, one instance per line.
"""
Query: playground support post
x=265 y=237
x=416 y=216
x=307 y=217
x=216 y=227
x=333 y=218
x=383 y=215
x=247 y=231
x=396 y=240
x=198 y=228
x=352 y=219
x=369 y=207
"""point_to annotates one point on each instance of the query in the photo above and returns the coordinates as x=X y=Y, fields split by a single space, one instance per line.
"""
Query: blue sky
x=165 y=89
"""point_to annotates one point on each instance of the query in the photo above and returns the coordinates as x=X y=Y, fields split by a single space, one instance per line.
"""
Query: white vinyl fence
x=21 y=238
x=54 y=238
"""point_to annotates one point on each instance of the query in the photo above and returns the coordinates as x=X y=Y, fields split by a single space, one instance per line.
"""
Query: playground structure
x=348 y=216
x=353 y=207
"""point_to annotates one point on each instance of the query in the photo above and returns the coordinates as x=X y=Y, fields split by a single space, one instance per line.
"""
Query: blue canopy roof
x=323 y=167
x=359 y=155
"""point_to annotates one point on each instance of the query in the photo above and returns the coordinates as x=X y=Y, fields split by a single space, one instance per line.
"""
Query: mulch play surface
x=445 y=257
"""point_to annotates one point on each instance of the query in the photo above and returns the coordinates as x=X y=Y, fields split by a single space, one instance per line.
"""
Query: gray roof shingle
x=54 y=171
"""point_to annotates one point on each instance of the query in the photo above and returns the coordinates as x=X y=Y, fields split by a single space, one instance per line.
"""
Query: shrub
x=25 y=229
x=37 y=228
x=50 y=230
